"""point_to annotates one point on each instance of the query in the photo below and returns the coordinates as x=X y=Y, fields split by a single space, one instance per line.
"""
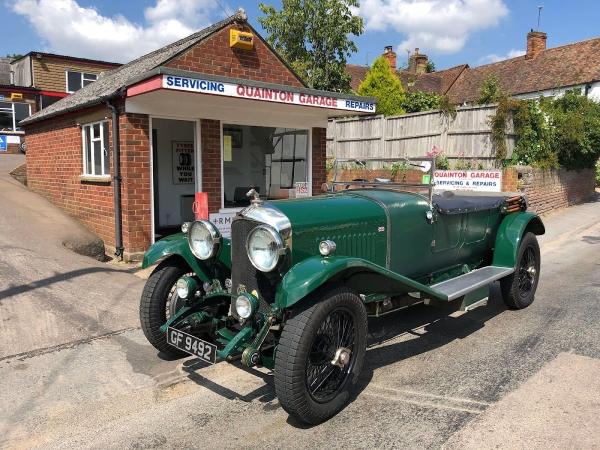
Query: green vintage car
x=292 y=288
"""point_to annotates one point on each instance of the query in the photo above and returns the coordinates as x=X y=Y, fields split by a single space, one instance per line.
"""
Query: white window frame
x=82 y=78
x=12 y=111
x=105 y=167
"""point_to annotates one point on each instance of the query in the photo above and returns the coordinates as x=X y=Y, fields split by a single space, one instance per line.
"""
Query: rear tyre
x=320 y=354
x=518 y=289
x=160 y=301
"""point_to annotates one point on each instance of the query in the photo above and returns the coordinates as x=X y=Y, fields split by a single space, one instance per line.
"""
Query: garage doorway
x=174 y=174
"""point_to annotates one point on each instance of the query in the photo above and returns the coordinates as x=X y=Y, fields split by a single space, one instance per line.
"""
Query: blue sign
x=2 y=143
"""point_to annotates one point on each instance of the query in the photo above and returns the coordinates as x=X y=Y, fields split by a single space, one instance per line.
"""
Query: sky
x=450 y=32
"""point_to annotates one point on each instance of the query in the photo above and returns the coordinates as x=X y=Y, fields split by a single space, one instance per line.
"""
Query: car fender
x=177 y=246
x=362 y=275
x=509 y=235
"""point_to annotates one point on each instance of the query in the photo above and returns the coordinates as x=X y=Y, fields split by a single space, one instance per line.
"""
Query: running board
x=463 y=284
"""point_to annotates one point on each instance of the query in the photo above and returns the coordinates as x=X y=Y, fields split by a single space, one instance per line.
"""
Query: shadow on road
x=433 y=327
x=57 y=278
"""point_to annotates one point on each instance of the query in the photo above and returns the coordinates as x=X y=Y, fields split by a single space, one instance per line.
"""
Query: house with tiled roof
x=415 y=77
x=541 y=71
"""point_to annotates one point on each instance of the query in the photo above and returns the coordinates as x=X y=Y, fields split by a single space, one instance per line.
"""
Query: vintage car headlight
x=186 y=286
x=204 y=239
x=246 y=305
x=265 y=247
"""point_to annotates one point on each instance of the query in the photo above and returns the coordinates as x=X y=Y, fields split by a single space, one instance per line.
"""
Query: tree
x=315 y=37
x=383 y=84
x=430 y=67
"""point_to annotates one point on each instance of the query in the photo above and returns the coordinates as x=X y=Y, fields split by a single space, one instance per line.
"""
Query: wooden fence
x=465 y=137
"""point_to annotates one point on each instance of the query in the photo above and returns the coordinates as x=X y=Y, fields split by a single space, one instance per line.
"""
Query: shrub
x=418 y=101
x=549 y=132
x=490 y=91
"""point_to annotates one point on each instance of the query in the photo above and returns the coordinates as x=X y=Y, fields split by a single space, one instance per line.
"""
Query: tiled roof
x=109 y=84
x=573 y=64
x=437 y=82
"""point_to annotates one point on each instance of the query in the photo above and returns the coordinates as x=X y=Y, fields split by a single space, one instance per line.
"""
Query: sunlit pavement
x=77 y=373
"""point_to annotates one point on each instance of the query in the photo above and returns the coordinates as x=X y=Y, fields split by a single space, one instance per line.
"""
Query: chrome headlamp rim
x=215 y=238
x=280 y=246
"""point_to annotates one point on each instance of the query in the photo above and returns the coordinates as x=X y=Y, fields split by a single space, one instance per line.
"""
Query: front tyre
x=160 y=301
x=518 y=289
x=320 y=354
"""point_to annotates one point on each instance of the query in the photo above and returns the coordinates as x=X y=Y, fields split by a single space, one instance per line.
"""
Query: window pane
x=96 y=133
x=5 y=105
x=269 y=159
x=106 y=147
x=97 y=147
x=6 y=122
x=48 y=100
x=73 y=81
x=90 y=76
x=87 y=152
x=21 y=112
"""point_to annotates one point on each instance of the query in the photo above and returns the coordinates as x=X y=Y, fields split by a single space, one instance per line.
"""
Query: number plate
x=192 y=345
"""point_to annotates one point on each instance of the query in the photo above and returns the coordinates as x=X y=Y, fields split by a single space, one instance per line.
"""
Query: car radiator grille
x=242 y=270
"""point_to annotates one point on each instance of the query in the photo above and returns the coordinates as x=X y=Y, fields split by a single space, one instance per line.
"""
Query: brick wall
x=211 y=162
x=135 y=190
x=319 y=159
x=551 y=189
x=510 y=180
x=54 y=168
x=214 y=56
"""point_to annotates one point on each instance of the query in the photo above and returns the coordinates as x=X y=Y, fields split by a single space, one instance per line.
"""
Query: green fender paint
x=177 y=244
x=509 y=236
x=311 y=273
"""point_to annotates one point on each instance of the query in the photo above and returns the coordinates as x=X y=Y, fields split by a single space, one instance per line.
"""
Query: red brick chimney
x=536 y=43
x=417 y=63
x=390 y=55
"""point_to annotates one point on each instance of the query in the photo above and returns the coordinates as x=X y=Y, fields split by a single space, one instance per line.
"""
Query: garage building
x=217 y=112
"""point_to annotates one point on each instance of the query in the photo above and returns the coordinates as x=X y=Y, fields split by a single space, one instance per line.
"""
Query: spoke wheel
x=331 y=356
x=518 y=289
x=320 y=354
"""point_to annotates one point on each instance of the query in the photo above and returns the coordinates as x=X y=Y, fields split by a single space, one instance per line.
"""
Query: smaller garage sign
x=468 y=180
x=183 y=162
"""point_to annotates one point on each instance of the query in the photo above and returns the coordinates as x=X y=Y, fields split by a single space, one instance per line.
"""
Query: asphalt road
x=490 y=378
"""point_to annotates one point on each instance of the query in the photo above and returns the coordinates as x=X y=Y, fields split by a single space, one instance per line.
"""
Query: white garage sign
x=223 y=222
x=468 y=180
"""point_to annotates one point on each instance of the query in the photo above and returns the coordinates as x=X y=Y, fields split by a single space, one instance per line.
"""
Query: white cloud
x=441 y=26
x=493 y=57
x=70 y=29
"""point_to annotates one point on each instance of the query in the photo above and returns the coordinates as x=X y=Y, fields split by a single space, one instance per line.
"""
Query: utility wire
x=225 y=10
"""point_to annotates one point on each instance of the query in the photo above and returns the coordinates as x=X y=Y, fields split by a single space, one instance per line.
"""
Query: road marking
x=72 y=344
x=426 y=399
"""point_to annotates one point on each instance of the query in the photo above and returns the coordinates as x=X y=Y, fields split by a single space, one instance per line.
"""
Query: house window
x=95 y=149
x=11 y=113
x=274 y=161
x=77 y=80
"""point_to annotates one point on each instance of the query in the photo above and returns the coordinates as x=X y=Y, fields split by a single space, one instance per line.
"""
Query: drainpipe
x=117 y=181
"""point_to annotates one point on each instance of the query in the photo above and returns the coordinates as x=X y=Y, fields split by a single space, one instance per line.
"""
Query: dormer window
x=77 y=80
